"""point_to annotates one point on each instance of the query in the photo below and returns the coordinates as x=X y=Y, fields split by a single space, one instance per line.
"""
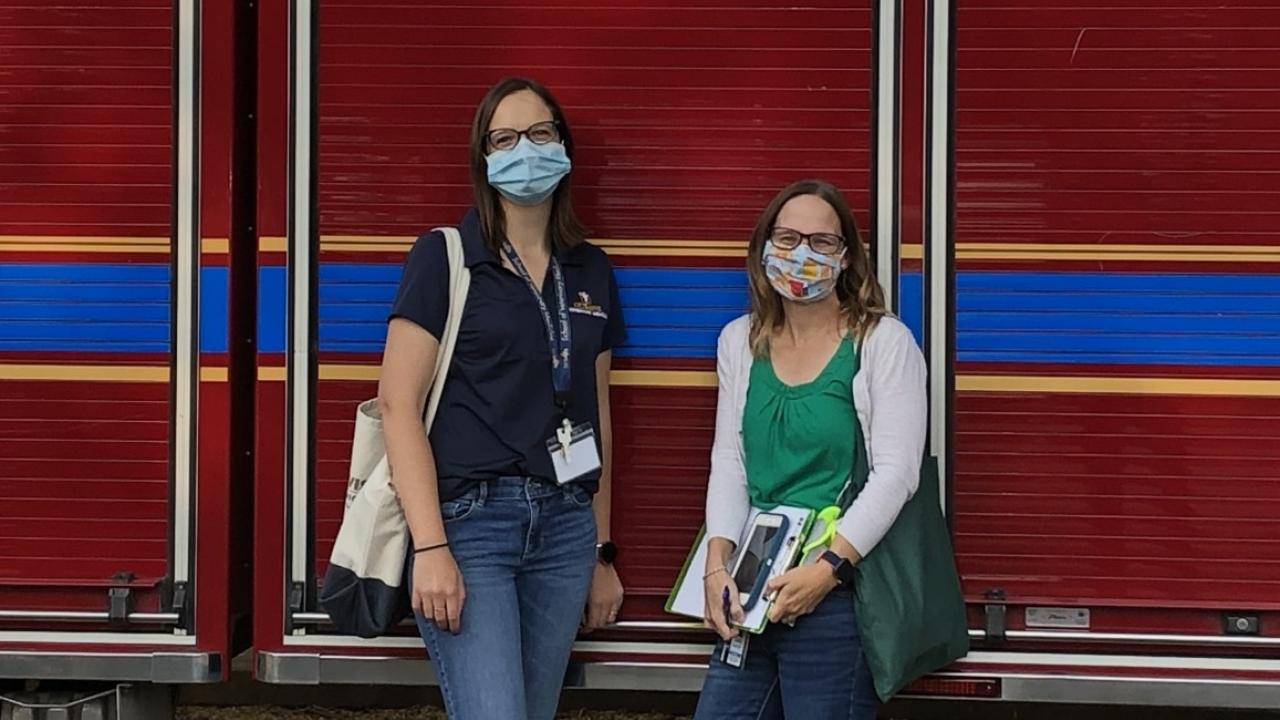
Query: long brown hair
x=861 y=298
x=564 y=230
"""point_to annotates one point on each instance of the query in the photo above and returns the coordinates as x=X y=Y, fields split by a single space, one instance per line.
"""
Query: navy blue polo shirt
x=498 y=406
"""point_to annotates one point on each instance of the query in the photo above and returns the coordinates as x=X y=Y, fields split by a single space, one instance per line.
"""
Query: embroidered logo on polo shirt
x=584 y=306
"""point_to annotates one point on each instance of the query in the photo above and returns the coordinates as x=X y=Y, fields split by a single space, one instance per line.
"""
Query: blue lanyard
x=561 y=342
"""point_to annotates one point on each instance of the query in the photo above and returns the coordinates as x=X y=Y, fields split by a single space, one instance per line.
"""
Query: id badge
x=573 y=452
x=734 y=652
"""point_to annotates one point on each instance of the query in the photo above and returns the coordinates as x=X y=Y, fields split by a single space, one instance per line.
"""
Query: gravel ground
x=278 y=713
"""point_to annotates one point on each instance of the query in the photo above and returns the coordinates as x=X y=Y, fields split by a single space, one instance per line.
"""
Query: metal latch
x=297 y=595
x=120 y=599
x=1241 y=624
x=181 y=604
x=995 y=615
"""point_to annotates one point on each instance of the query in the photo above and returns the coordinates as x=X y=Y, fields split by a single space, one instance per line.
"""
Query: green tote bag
x=911 y=611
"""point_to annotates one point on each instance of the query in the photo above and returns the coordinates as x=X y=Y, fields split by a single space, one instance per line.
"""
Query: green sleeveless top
x=798 y=439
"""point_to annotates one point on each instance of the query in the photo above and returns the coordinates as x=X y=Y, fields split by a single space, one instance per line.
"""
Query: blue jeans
x=814 y=671
x=526 y=550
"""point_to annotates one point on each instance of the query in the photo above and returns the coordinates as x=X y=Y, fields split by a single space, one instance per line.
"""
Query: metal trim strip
x=939 y=266
x=885 y=149
x=314 y=669
x=1135 y=638
x=301 y=55
x=143 y=618
x=158 y=667
x=186 y=267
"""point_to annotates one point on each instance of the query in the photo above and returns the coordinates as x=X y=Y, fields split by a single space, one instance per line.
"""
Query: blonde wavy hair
x=861 y=298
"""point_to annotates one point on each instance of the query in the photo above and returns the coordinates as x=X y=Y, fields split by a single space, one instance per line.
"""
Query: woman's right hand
x=714 y=586
x=438 y=591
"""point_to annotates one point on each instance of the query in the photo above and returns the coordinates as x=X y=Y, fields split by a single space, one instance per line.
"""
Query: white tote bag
x=364 y=588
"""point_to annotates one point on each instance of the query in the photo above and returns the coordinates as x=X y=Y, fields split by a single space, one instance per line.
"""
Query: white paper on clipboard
x=689 y=596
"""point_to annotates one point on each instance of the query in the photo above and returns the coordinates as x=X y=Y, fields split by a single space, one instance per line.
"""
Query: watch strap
x=841 y=568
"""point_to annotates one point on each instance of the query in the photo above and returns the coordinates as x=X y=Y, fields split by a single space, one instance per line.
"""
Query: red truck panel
x=1087 y=130
x=85 y=154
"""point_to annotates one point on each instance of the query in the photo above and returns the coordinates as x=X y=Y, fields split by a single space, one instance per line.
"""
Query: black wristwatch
x=606 y=552
x=840 y=567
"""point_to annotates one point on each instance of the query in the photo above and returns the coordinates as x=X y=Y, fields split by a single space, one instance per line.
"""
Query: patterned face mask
x=802 y=274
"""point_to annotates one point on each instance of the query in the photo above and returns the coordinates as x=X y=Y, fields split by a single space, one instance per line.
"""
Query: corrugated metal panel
x=84 y=483
x=1156 y=119
x=85 y=154
x=85 y=140
x=688 y=117
x=1152 y=123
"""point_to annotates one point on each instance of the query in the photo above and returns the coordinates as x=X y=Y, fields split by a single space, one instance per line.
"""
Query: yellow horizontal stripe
x=1118 y=247
x=91 y=244
x=365 y=247
x=663 y=378
x=676 y=248
x=964 y=251
x=349 y=372
x=272 y=244
x=84 y=248
x=964 y=254
x=688 y=379
x=217 y=246
x=655 y=378
x=1117 y=385
x=81 y=240
x=101 y=373
x=964 y=383
x=667 y=251
x=271 y=374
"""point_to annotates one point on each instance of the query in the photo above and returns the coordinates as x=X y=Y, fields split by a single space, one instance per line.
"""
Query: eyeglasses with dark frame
x=539 y=133
x=784 y=238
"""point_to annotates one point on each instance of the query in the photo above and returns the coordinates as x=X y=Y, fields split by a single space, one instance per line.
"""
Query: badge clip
x=564 y=434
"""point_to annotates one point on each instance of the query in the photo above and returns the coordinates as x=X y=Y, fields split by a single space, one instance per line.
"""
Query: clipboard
x=687 y=596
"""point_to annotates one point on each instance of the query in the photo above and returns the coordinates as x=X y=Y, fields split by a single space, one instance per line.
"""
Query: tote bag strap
x=459 y=283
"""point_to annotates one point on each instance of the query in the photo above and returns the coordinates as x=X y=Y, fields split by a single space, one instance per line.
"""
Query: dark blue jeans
x=814 y=671
x=526 y=550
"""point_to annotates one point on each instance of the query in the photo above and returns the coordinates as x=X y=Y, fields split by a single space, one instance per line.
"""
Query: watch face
x=607 y=552
x=840 y=567
x=845 y=573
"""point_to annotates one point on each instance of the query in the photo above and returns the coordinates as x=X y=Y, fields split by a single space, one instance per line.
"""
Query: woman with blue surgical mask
x=817 y=357
x=511 y=551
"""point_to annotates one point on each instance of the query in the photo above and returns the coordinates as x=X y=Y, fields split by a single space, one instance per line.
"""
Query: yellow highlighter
x=823 y=533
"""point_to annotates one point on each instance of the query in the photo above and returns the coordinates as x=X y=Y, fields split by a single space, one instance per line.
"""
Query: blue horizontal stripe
x=102 y=307
x=1192 y=324
x=1059 y=300
x=1065 y=317
x=911 y=303
x=215 y=283
x=1068 y=317
x=1116 y=282
x=273 y=303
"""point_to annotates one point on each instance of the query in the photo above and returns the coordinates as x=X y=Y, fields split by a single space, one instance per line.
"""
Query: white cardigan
x=889 y=397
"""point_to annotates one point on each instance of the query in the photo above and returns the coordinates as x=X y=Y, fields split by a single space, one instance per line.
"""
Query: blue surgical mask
x=528 y=173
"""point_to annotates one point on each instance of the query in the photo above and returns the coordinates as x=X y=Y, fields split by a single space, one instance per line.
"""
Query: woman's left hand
x=799 y=590
x=605 y=598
